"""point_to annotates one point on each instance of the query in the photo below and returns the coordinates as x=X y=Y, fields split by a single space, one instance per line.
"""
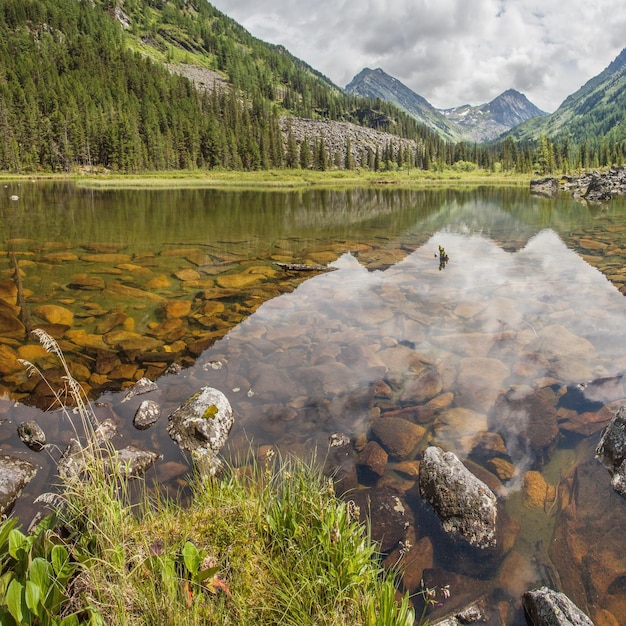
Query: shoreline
x=276 y=180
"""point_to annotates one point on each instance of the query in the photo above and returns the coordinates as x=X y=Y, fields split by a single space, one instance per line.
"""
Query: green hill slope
x=594 y=115
x=87 y=83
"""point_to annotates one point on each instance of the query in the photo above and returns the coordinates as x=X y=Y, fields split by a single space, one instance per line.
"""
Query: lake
x=509 y=353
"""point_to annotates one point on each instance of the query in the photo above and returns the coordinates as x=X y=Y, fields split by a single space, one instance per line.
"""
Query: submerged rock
x=397 y=436
x=15 y=474
x=588 y=548
x=387 y=513
x=143 y=385
x=546 y=607
x=611 y=451
x=465 y=505
x=202 y=425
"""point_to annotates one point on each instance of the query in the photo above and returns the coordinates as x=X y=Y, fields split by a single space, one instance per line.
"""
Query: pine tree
x=305 y=155
x=349 y=160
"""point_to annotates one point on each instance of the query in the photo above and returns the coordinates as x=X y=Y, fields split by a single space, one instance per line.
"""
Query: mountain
x=594 y=114
x=464 y=123
x=377 y=84
x=136 y=85
x=488 y=121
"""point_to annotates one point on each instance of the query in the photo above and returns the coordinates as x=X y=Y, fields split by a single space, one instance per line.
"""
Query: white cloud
x=451 y=52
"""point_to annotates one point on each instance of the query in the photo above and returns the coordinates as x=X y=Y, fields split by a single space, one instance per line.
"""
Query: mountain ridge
x=480 y=123
x=596 y=112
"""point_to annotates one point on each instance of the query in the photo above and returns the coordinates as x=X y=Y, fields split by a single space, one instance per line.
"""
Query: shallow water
x=491 y=352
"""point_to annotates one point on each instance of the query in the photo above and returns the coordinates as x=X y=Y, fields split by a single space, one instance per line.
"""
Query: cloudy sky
x=451 y=52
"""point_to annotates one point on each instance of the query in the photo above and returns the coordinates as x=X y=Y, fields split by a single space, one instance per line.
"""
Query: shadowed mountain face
x=464 y=123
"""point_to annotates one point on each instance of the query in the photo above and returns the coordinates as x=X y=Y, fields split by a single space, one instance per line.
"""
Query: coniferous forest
x=86 y=84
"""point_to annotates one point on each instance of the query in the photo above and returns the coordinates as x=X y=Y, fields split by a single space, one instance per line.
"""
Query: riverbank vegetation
x=261 y=545
x=265 y=543
x=278 y=179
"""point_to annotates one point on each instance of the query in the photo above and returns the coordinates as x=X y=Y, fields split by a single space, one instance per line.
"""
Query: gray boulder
x=201 y=425
x=546 y=607
x=132 y=461
x=465 y=505
x=15 y=474
x=611 y=450
x=146 y=415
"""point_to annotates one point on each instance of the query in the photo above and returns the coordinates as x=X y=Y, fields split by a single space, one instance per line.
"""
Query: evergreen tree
x=349 y=160
x=305 y=155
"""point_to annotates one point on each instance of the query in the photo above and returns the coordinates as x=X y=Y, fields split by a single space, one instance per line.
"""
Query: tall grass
x=258 y=545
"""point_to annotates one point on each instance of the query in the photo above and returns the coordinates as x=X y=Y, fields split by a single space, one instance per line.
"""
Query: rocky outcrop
x=548 y=186
x=546 y=607
x=465 y=505
x=591 y=186
x=611 y=451
x=202 y=425
x=336 y=136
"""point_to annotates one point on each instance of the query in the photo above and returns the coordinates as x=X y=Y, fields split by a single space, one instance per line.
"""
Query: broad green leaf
x=5 y=579
x=17 y=544
x=40 y=573
x=14 y=600
x=192 y=557
x=205 y=573
x=33 y=597
x=61 y=563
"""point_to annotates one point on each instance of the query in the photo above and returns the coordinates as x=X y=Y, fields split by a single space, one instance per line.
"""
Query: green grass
x=259 y=546
x=286 y=179
x=263 y=545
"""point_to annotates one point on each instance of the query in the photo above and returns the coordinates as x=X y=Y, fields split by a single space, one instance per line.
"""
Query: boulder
x=15 y=474
x=465 y=505
x=611 y=451
x=201 y=425
x=598 y=189
x=146 y=415
x=339 y=463
x=143 y=385
x=132 y=461
x=32 y=435
x=546 y=607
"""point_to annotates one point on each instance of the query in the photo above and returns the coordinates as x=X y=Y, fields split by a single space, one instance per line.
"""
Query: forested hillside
x=83 y=83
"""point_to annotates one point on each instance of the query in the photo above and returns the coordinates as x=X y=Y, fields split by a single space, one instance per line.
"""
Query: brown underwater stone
x=397 y=436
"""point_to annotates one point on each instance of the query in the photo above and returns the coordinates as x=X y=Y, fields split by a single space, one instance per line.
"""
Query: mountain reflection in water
x=493 y=355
